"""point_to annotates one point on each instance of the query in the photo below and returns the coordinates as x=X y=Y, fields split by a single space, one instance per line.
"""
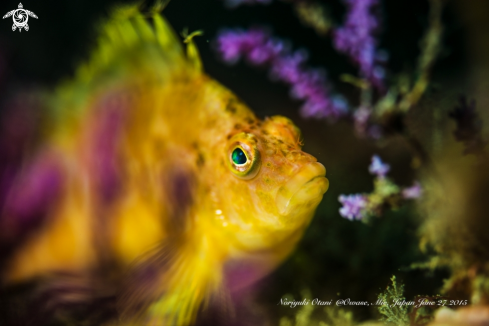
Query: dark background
x=337 y=258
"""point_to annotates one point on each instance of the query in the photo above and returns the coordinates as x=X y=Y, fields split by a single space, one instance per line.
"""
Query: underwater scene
x=244 y=163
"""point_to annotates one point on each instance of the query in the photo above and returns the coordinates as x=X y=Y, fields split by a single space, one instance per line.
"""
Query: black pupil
x=239 y=157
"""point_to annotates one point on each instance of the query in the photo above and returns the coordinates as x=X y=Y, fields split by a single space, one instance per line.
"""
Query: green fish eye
x=238 y=156
x=244 y=159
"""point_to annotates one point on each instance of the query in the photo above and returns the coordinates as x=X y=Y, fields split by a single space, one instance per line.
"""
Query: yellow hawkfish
x=166 y=185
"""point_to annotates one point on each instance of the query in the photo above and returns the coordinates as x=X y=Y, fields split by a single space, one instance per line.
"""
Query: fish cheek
x=237 y=201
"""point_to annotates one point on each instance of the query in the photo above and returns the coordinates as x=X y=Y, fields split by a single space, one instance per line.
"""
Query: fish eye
x=239 y=157
x=244 y=158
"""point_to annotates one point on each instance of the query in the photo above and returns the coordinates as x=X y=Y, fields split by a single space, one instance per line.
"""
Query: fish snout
x=300 y=157
x=304 y=190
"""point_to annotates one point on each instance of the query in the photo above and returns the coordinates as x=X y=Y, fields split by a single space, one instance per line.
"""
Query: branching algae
x=395 y=314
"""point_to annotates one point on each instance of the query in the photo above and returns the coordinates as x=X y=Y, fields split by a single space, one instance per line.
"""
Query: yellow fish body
x=159 y=170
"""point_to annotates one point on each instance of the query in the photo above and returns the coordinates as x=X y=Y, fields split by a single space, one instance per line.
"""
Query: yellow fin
x=130 y=47
x=185 y=275
x=192 y=51
x=128 y=35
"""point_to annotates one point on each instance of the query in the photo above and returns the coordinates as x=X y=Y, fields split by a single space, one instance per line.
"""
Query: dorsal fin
x=192 y=51
x=128 y=30
x=130 y=46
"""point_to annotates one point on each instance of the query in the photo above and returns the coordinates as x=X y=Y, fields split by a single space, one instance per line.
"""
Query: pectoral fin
x=171 y=283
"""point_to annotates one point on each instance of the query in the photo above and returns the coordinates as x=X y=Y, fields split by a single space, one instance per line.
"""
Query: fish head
x=269 y=187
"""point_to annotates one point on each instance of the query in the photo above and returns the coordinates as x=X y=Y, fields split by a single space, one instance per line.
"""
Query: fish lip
x=310 y=181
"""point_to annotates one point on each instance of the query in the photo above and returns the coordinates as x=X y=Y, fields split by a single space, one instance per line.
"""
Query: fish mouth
x=304 y=190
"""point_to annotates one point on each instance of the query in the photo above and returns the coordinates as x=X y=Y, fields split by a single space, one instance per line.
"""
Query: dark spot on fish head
x=231 y=106
x=283 y=129
x=200 y=160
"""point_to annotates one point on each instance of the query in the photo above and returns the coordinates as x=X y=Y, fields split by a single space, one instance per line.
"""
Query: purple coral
x=386 y=192
x=378 y=168
x=361 y=118
x=363 y=126
x=255 y=44
x=356 y=39
x=307 y=84
x=353 y=206
x=413 y=192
